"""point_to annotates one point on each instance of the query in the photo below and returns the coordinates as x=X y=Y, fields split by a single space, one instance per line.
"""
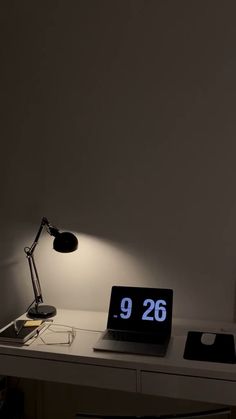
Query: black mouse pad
x=222 y=350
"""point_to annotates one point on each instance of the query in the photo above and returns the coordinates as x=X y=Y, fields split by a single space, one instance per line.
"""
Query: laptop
x=139 y=321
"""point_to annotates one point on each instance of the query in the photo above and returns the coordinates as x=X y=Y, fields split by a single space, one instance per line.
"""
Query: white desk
x=79 y=364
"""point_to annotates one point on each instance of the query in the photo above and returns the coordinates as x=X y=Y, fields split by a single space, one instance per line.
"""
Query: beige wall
x=118 y=122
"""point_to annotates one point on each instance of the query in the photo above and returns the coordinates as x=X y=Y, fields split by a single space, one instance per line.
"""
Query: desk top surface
x=90 y=324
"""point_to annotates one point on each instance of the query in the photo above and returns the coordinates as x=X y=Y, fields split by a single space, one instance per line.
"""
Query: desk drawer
x=68 y=372
x=189 y=387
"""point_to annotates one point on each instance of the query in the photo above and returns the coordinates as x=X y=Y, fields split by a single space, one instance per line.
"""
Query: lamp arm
x=64 y=242
x=35 y=279
x=33 y=270
x=30 y=249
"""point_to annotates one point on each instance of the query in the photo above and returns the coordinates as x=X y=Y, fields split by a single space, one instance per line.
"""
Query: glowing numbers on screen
x=155 y=310
x=126 y=307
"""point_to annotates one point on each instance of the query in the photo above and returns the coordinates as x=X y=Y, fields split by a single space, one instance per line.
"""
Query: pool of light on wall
x=83 y=279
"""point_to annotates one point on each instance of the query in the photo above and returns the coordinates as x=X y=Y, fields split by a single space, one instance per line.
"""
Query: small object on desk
x=31 y=323
x=20 y=331
x=18 y=326
x=211 y=347
x=208 y=338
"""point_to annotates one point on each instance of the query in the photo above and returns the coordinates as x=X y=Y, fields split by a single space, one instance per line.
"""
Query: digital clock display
x=141 y=309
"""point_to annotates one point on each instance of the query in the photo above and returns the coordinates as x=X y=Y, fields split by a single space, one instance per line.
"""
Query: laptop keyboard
x=132 y=337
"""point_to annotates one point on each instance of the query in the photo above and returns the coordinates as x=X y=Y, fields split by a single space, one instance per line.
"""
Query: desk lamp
x=64 y=242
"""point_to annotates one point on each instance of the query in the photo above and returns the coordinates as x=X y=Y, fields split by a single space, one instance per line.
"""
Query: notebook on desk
x=20 y=331
x=139 y=321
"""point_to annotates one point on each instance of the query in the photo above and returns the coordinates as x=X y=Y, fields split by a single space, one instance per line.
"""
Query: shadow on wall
x=16 y=294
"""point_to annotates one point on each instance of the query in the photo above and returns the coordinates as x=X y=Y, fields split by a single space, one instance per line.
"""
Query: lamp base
x=42 y=312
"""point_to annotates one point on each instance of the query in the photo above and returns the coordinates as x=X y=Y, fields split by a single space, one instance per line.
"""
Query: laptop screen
x=141 y=309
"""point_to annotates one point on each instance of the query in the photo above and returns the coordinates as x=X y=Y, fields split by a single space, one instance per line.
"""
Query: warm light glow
x=83 y=279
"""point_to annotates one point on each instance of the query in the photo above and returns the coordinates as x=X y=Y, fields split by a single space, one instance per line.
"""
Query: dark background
x=118 y=122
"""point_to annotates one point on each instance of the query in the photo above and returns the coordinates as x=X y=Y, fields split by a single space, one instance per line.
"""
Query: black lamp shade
x=65 y=242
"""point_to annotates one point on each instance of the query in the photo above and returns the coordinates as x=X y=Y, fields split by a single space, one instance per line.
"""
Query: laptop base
x=138 y=348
